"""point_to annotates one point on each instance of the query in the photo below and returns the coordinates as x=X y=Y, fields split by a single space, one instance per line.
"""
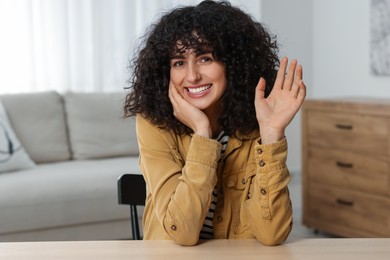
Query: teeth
x=198 y=90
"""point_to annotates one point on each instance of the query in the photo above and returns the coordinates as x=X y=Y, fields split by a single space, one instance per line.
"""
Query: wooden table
x=312 y=249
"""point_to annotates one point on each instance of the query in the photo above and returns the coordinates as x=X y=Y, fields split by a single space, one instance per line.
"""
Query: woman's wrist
x=270 y=135
x=204 y=131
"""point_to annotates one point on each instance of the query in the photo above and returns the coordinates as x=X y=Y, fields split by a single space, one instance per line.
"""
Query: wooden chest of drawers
x=346 y=167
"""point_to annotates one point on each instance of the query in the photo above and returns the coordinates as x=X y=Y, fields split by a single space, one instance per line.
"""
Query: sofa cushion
x=63 y=194
x=96 y=126
x=12 y=154
x=38 y=120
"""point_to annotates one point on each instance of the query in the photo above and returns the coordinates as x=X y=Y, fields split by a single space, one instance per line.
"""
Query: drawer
x=349 y=209
x=358 y=133
x=348 y=170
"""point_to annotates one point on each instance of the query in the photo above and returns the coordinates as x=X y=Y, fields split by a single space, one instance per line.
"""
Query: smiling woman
x=212 y=103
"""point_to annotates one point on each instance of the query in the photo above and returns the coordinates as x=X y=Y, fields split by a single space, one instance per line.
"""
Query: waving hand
x=276 y=111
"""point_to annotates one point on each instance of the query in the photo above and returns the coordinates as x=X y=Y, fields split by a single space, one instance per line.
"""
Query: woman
x=210 y=130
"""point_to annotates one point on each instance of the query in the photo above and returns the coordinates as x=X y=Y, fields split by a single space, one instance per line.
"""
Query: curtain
x=76 y=45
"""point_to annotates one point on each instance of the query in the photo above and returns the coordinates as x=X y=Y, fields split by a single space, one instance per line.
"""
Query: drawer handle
x=344 y=202
x=344 y=127
x=344 y=165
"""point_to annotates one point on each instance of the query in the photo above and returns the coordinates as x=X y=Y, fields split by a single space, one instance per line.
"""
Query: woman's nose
x=193 y=74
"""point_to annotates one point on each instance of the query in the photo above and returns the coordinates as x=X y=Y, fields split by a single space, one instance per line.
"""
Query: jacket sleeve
x=180 y=188
x=269 y=210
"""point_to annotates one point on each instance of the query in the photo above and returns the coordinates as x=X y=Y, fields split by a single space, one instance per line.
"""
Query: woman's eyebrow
x=177 y=56
x=197 y=53
x=203 y=52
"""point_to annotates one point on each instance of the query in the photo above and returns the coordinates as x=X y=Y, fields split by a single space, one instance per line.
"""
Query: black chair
x=132 y=191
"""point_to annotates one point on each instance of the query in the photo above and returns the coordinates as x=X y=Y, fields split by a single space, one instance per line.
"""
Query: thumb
x=260 y=89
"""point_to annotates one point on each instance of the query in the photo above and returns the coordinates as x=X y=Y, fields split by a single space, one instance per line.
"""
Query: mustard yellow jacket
x=181 y=173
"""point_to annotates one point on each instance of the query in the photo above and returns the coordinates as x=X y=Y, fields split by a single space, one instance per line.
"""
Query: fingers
x=289 y=78
x=171 y=92
x=302 y=92
x=298 y=75
x=285 y=80
x=290 y=81
x=281 y=73
x=174 y=93
x=174 y=97
x=299 y=91
x=299 y=72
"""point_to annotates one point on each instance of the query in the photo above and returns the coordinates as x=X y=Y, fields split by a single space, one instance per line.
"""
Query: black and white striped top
x=207 y=230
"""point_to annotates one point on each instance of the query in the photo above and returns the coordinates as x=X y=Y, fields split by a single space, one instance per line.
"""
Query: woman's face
x=199 y=78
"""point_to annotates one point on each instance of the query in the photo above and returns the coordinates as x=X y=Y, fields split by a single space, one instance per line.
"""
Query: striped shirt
x=207 y=229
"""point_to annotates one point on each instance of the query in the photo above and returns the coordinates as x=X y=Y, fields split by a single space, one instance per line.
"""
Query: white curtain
x=76 y=45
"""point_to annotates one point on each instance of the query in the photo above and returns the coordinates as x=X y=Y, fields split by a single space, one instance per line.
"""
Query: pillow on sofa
x=38 y=119
x=96 y=127
x=12 y=155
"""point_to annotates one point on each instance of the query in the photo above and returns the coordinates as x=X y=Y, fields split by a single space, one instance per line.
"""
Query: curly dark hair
x=243 y=45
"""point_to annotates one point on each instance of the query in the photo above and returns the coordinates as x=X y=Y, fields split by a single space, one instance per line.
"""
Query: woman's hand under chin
x=275 y=112
x=188 y=114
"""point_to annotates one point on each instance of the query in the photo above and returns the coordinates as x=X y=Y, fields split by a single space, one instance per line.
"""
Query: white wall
x=291 y=21
x=341 y=51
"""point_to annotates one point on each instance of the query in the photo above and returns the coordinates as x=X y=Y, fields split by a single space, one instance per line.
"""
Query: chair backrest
x=132 y=191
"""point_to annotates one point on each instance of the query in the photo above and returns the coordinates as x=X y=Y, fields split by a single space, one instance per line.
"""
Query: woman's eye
x=177 y=63
x=206 y=59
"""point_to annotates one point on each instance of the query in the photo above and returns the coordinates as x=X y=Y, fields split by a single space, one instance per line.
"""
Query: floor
x=300 y=231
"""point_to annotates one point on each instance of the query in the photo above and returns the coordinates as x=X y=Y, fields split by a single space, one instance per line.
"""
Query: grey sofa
x=75 y=147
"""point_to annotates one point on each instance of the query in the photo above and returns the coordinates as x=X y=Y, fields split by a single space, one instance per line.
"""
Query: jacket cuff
x=204 y=150
x=271 y=157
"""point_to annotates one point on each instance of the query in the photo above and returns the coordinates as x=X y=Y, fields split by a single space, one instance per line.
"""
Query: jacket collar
x=236 y=141
x=251 y=135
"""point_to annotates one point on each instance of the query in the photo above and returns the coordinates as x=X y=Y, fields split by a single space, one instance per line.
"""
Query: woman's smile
x=197 y=91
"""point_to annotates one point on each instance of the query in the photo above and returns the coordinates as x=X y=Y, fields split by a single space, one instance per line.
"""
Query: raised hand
x=188 y=114
x=276 y=111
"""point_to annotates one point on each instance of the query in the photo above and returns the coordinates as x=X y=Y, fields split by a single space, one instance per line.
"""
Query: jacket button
x=243 y=181
x=263 y=191
x=261 y=163
x=219 y=219
x=259 y=151
x=173 y=227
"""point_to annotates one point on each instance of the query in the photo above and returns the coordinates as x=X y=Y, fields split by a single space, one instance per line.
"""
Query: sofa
x=60 y=158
